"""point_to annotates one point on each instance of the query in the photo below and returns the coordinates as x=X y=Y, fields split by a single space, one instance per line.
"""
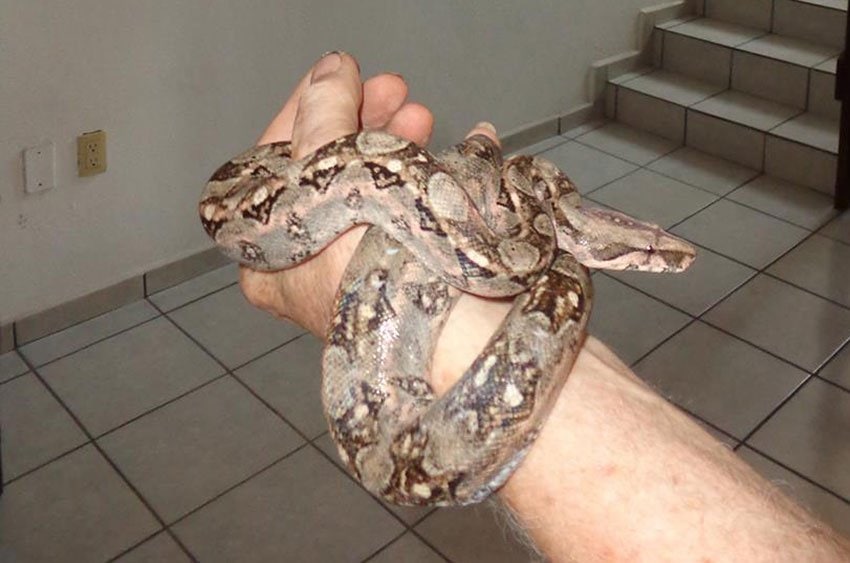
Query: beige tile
x=703 y=171
x=159 y=549
x=822 y=504
x=797 y=326
x=838 y=369
x=233 y=330
x=407 y=548
x=7 y=337
x=722 y=33
x=812 y=130
x=821 y=265
x=788 y=49
x=838 y=228
x=301 y=509
x=474 y=534
x=726 y=140
x=806 y=21
x=679 y=89
x=654 y=115
x=748 y=110
x=732 y=385
x=35 y=427
x=822 y=95
x=290 y=379
x=71 y=339
x=196 y=288
x=709 y=279
x=627 y=143
x=752 y=13
x=11 y=365
x=698 y=59
x=628 y=321
x=126 y=375
x=651 y=197
x=741 y=233
x=74 y=509
x=779 y=81
x=587 y=167
x=410 y=514
x=800 y=164
x=807 y=208
x=188 y=451
x=809 y=435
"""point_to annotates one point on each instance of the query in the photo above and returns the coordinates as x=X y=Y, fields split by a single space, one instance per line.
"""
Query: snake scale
x=461 y=221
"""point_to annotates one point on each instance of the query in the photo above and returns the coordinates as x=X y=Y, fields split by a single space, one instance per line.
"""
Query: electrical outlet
x=39 y=174
x=91 y=153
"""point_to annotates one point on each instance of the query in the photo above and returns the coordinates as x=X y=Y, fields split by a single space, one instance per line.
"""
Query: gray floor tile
x=188 y=451
x=195 y=288
x=73 y=338
x=585 y=128
x=719 y=378
x=838 y=369
x=653 y=197
x=407 y=548
x=410 y=514
x=703 y=171
x=473 y=534
x=814 y=130
x=627 y=143
x=588 y=168
x=721 y=437
x=807 y=208
x=542 y=146
x=677 y=88
x=628 y=321
x=303 y=508
x=11 y=365
x=35 y=427
x=122 y=377
x=827 y=507
x=741 y=233
x=290 y=379
x=709 y=279
x=838 y=228
x=232 y=329
x=159 y=549
x=809 y=435
x=74 y=509
x=784 y=320
x=821 y=265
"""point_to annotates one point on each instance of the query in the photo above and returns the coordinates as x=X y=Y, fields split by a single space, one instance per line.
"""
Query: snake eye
x=650 y=249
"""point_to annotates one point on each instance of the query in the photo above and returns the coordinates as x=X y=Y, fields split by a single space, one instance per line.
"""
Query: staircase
x=751 y=81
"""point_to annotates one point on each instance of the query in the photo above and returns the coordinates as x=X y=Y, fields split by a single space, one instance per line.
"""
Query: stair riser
x=822 y=95
x=812 y=23
x=771 y=79
x=696 y=58
x=750 y=147
x=750 y=13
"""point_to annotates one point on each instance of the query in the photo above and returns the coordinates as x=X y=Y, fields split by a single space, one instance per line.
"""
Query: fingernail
x=329 y=62
x=486 y=125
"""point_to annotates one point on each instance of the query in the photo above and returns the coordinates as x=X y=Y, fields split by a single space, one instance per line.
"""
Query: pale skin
x=617 y=473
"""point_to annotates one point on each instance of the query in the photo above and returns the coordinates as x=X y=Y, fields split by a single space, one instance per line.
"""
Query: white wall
x=180 y=86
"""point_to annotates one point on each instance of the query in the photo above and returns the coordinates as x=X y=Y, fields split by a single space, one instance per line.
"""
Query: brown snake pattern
x=461 y=221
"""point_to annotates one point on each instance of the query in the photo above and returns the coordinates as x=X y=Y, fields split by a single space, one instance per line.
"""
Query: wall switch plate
x=91 y=153
x=39 y=170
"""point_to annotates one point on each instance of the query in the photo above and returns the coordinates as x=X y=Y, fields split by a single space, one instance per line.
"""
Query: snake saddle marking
x=462 y=221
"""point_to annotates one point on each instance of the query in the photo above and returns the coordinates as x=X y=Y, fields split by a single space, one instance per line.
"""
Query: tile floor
x=188 y=426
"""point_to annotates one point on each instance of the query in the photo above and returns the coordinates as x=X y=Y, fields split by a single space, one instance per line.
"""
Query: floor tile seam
x=166 y=531
x=681 y=106
x=383 y=548
x=166 y=310
x=44 y=464
x=842 y=388
x=691 y=413
x=778 y=59
x=14 y=378
x=627 y=161
x=772 y=134
x=763 y=33
x=22 y=353
x=806 y=290
x=817 y=5
x=750 y=128
x=122 y=476
x=784 y=401
x=769 y=214
x=795 y=472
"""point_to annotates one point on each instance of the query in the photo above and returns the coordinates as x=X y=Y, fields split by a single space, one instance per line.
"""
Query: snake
x=465 y=220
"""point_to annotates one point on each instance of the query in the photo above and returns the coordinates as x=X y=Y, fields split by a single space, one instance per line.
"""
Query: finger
x=280 y=129
x=485 y=128
x=383 y=96
x=412 y=121
x=329 y=106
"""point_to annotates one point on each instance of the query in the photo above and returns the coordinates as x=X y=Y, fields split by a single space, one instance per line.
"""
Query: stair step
x=751 y=13
x=762 y=134
x=817 y=21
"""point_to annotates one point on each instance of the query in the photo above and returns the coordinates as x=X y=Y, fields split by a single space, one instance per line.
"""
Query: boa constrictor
x=462 y=221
